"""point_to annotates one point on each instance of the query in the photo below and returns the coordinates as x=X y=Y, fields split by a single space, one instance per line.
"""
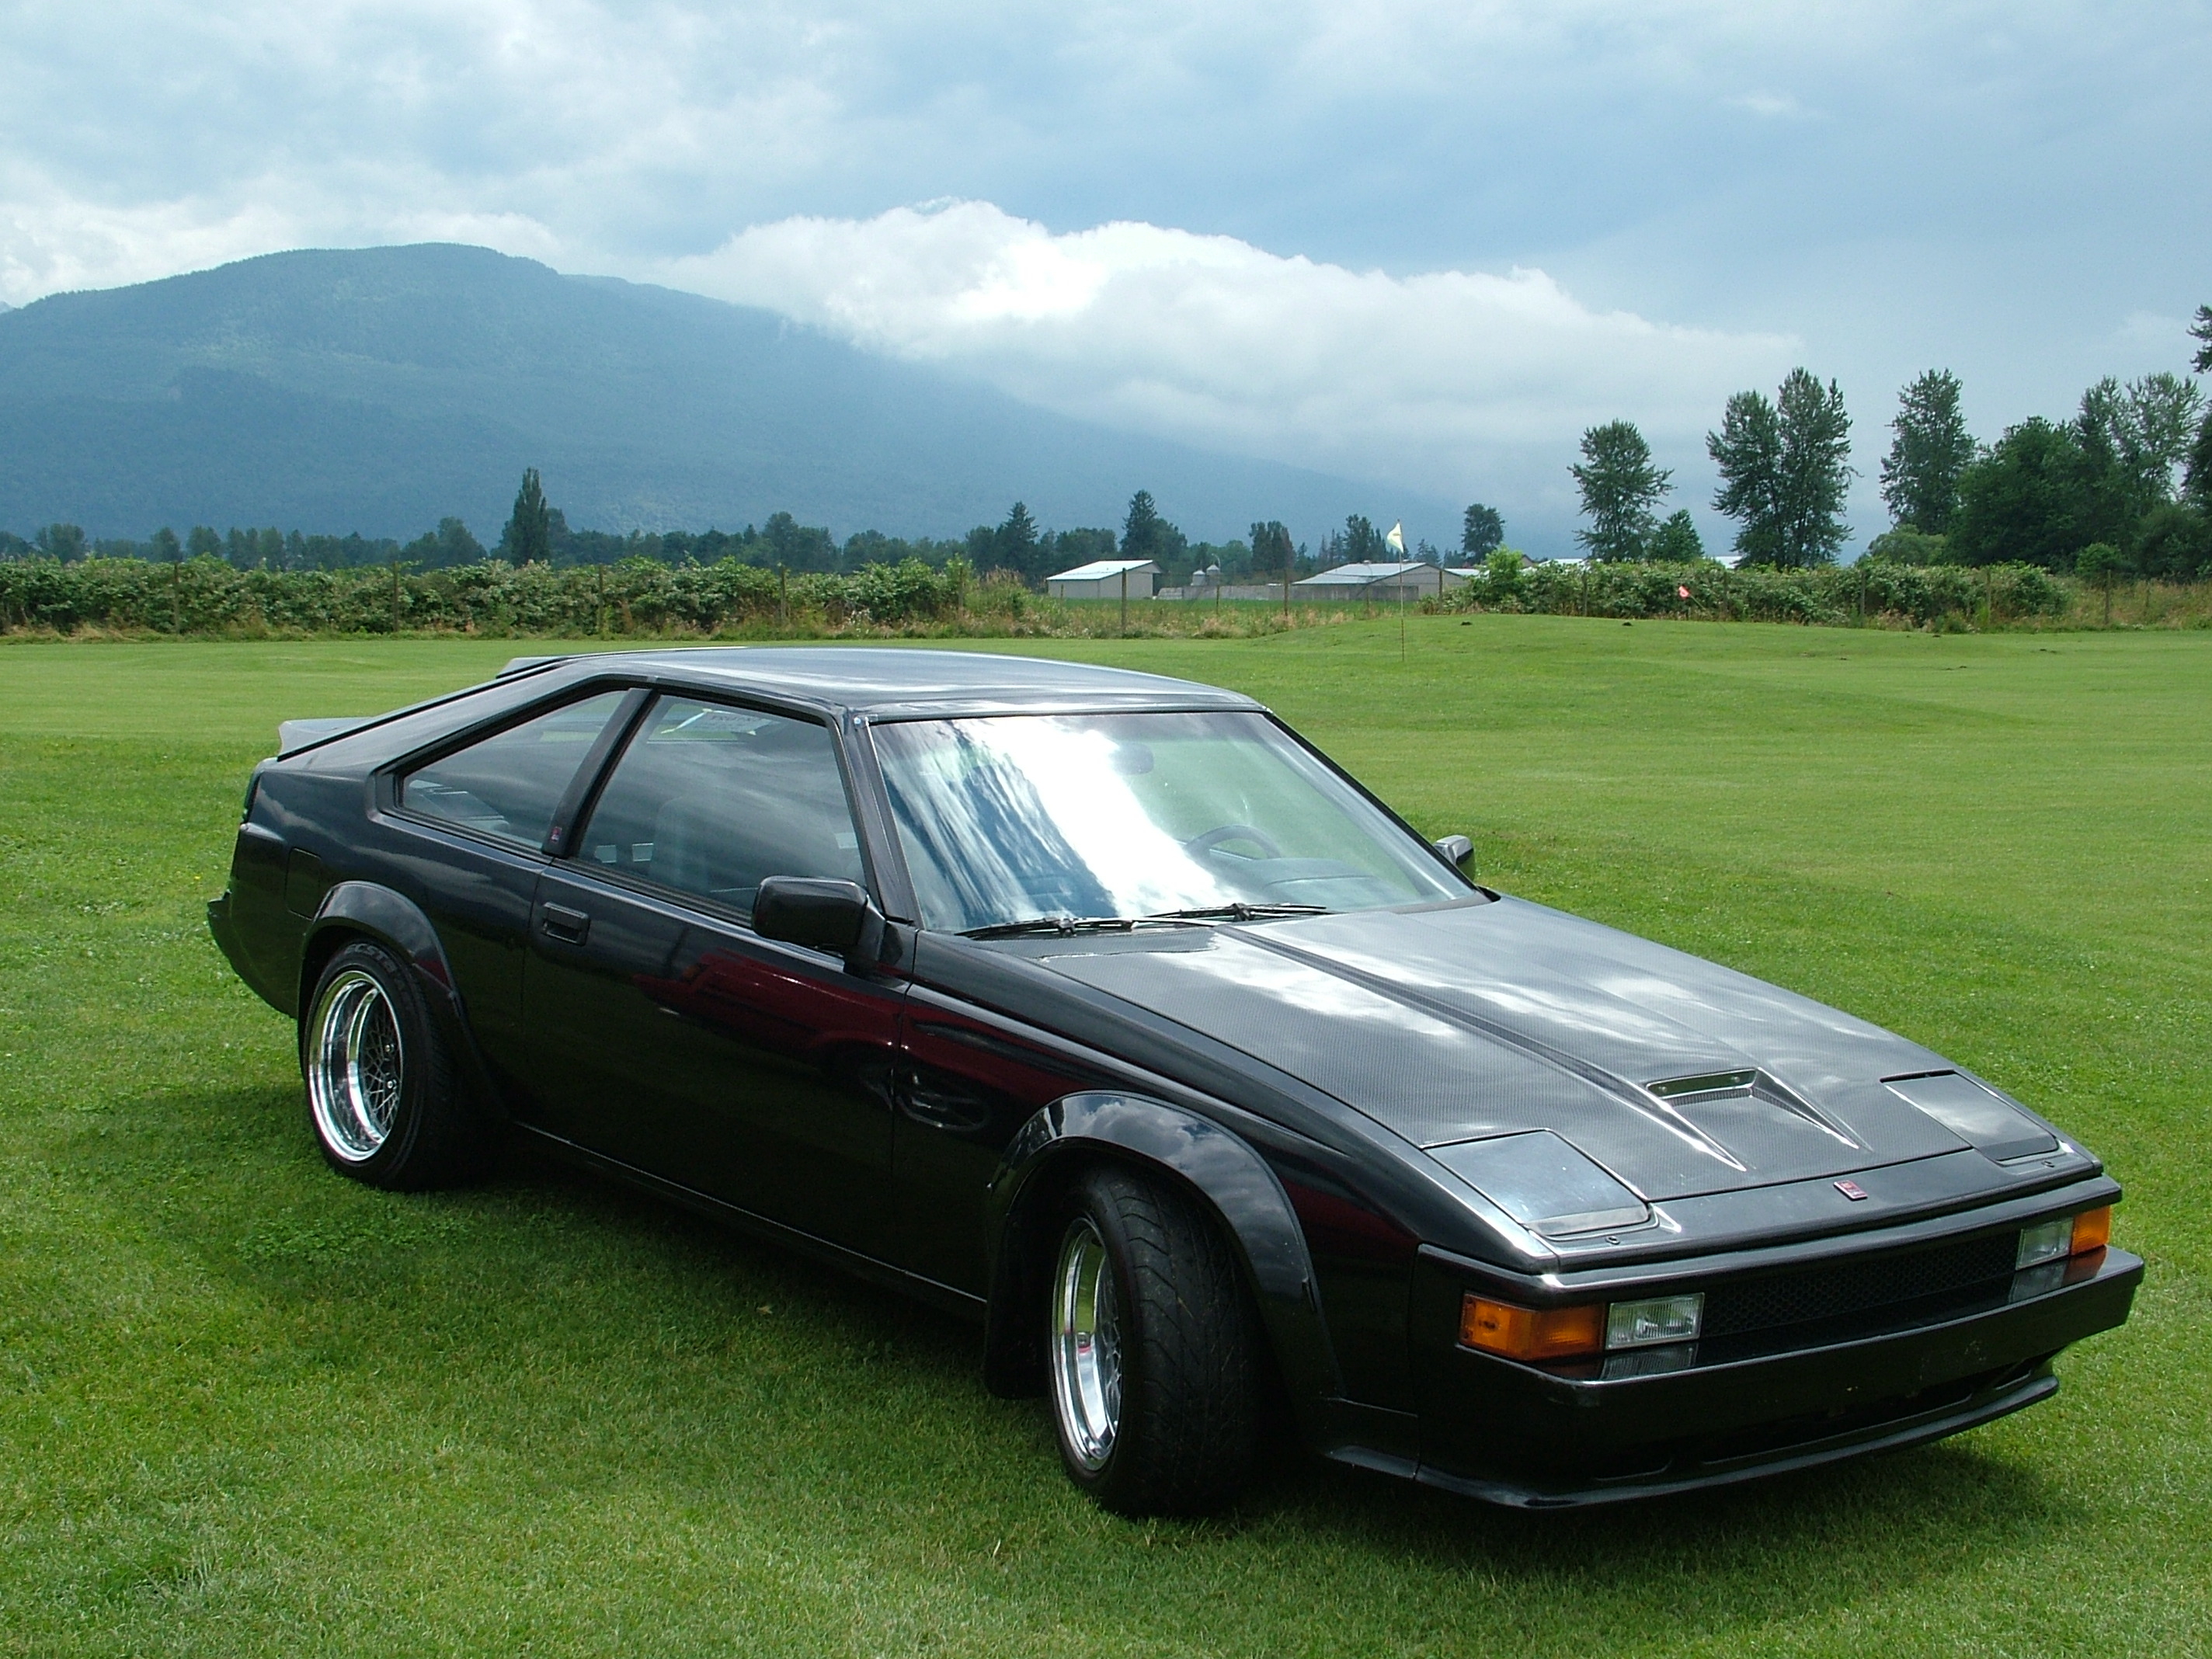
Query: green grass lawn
x=246 y=1406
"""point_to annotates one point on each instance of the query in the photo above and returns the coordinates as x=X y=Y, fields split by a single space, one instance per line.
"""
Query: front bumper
x=1530 y=1437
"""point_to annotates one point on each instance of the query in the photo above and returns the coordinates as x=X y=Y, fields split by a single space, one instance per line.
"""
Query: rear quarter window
x=509 y=784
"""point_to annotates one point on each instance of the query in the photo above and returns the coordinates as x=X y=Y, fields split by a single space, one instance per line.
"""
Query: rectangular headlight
x=2047 y=1241
x=1659 y=1319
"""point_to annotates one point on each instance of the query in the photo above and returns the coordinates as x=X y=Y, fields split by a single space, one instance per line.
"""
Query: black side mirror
x=1458 y=849
x=823 y=915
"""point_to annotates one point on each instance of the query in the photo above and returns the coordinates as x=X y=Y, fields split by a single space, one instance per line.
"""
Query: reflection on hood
x=1463 y=1021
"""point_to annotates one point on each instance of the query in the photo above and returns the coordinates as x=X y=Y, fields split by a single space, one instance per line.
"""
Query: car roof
x=890 y=683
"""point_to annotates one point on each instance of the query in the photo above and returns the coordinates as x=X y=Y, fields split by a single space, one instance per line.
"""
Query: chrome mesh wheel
x=1086 y=1359
x=355 y=1066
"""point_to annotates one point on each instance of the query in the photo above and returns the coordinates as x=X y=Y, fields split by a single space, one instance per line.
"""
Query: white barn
x=1105 y=579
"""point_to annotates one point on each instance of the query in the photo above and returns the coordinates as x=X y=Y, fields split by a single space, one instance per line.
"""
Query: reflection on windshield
x=1012 y=818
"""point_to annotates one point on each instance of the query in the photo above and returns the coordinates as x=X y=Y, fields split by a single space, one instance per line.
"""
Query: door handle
x=570 y=927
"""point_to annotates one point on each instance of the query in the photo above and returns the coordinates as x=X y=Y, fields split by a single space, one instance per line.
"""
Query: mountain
x=380 y=389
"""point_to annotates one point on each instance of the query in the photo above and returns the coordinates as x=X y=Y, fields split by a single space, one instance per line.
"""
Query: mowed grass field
x=248 y=1407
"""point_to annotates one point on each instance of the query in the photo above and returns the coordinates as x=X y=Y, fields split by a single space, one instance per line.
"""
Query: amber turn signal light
x=2093 y=1230
x=1500 y=1327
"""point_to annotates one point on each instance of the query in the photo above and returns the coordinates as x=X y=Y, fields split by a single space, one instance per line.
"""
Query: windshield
x=1022 y=818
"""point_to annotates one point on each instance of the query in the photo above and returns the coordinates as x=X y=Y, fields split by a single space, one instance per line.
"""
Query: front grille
x=1906 y=1287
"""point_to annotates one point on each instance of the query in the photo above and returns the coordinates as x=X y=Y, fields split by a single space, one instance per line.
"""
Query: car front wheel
x=1152 y=1349
x=383 y=1100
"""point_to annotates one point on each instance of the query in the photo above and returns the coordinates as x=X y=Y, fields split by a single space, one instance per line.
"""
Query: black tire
x=1183 y=1434
x=384 y=1100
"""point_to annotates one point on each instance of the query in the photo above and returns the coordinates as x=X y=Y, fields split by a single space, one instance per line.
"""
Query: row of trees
x=538 y=533
x=2124 y=486
x=1785 y=465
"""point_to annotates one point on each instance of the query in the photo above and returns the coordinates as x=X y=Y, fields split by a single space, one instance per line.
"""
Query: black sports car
x=1101 y=1007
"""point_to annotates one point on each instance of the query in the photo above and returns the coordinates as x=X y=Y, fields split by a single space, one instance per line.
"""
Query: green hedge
x=1832 y=594
x=207 y=596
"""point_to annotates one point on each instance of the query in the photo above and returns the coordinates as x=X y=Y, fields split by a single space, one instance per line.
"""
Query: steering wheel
x=1199 y=845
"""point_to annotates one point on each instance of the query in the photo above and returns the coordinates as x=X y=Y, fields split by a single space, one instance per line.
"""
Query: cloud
x=1774 y=105
x=1439 y=381
x=1981 y=185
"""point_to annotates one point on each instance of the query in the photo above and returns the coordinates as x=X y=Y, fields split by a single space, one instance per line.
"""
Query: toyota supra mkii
x=1104 y=1010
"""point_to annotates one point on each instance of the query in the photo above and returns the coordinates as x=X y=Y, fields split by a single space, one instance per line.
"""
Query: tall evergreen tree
x=1017 y=539
x=528 y=536
x=1816 y=469
x=1747 y=450
x=1272 y=549
x=1932 y=448
x=1785 y=467
x=1141 y=528
x=1621 y=491
x=1482 y=532
x=1147 y=535
x=1361 y=543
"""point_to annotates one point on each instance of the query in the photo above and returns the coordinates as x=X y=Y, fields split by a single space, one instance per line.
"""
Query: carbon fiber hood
x=1470 y=1021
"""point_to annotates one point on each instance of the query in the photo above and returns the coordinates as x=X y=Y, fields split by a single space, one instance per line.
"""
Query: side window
x=509 y=783
x=711 y=800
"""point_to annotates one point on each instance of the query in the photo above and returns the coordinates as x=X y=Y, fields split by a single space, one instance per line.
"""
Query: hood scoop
x=1749 y=1117
x=1683 y=1093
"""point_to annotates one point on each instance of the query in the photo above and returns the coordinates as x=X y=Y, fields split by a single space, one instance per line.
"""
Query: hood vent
x=1707 y=1088
x=1981 y=1117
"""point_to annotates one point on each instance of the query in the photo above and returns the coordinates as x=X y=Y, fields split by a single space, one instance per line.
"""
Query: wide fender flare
x=393 y=920
x=1227 y=1172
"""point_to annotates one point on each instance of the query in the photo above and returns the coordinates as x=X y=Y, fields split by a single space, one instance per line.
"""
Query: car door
x=664 y=1032
x=467 y=832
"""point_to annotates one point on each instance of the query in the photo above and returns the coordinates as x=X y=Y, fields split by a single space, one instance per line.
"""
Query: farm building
x=1412 y=580
x=1105 y=579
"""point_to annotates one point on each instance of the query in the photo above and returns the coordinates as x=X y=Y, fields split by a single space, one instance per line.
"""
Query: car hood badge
x=1853 y=1190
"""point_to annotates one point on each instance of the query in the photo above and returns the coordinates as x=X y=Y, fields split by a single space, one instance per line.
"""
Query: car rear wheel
x=1153 y=1352
x=383 y=1100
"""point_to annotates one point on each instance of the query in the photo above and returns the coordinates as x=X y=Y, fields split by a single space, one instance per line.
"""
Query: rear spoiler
x=295 y=735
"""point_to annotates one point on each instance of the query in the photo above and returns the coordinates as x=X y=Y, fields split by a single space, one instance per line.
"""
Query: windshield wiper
x=1239 y=911
x=1065 y=925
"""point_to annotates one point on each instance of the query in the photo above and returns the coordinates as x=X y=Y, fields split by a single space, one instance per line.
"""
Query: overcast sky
x=1424 y=243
